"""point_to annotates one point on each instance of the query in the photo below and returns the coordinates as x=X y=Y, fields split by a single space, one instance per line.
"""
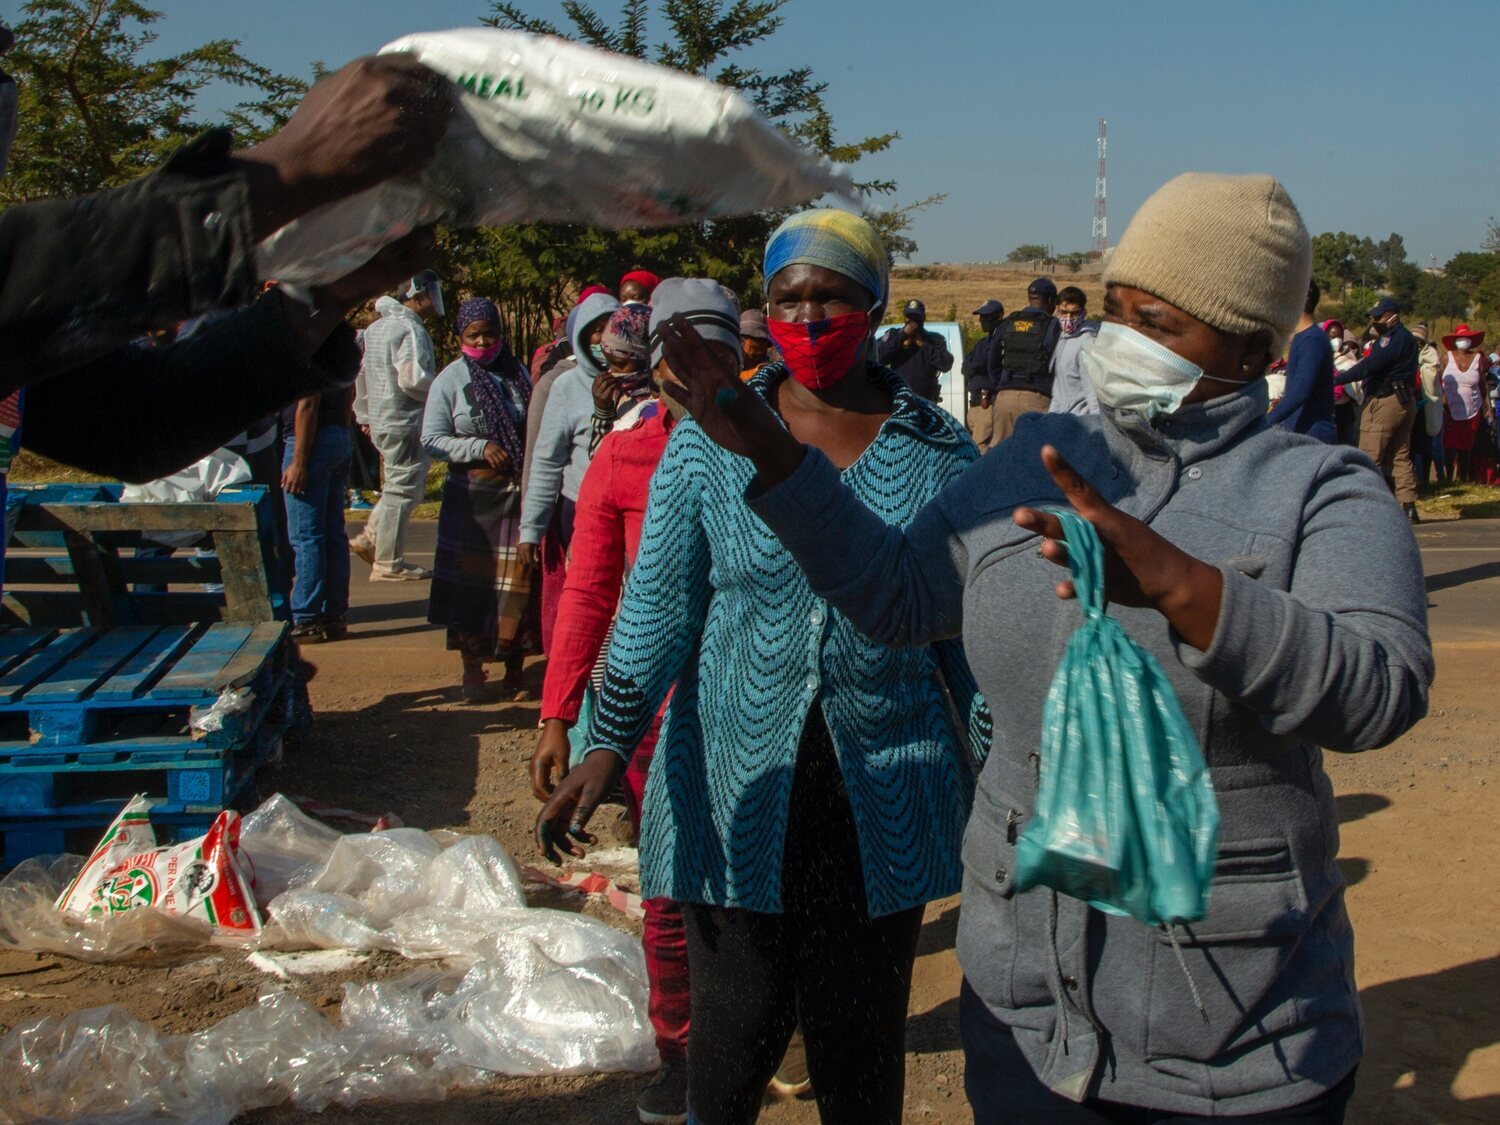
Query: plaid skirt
x=480 y=591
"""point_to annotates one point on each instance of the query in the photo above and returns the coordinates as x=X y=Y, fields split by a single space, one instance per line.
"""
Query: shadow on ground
x=366 y=759
x=1421 y=1032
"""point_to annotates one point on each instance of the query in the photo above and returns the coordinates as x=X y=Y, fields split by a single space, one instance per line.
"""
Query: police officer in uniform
x=915 y=354
x=977 y=379
x=1389 y=376
x=1020 y=361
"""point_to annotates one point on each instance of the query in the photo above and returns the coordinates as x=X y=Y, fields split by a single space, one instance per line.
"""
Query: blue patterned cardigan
x=716 y=604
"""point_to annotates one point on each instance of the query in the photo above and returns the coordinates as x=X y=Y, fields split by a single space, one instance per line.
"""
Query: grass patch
x=33 y=468
x=1460 y=502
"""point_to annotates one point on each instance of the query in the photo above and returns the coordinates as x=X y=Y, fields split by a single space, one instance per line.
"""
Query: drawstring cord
x=1057 y=973
x=1182 y=964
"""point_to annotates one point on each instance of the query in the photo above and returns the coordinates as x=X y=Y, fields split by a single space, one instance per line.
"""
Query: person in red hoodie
x=606 y=532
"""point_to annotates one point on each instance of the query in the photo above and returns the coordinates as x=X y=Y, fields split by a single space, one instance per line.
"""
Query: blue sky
x=1363 y=110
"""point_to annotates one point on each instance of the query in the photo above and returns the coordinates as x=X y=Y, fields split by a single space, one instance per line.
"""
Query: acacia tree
x=96 y=112
x=532 y=270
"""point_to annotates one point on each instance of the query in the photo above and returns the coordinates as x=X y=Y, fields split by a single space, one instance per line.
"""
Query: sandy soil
x=1420 y=834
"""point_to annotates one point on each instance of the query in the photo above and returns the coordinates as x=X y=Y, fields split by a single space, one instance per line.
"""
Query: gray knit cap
x=708 y=306
x=1229 y=250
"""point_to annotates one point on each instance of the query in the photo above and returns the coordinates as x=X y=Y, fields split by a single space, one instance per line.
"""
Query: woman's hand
x=607 y=393
x=727 y=411
x=495 y=457
x=529 y=555
x=549 y=761
x=1140 y=567
x=566 y=814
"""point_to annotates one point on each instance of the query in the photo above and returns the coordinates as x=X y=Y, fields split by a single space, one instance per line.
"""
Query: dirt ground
x=1420 y=836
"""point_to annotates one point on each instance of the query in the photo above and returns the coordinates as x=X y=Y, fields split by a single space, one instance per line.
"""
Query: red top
x=606 y=533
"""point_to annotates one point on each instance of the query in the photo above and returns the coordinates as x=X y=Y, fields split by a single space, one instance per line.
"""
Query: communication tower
x=1100 y=241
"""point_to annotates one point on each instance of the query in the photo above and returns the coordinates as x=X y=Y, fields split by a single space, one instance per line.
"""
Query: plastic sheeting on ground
x=520 y=991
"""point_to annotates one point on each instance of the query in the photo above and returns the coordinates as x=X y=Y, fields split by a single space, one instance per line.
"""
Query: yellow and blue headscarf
x=837 y=240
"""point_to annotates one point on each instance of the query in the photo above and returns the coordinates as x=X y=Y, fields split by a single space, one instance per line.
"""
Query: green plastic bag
x=1125 y=814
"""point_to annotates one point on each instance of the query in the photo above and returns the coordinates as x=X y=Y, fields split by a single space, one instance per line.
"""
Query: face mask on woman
x=819 y=353
x=483 y=356
x=1131 y=371
x=1463 y=345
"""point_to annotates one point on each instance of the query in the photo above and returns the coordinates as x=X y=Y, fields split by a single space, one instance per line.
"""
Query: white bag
x=549 y=130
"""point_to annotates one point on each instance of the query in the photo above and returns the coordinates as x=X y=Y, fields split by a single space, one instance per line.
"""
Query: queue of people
x=809 y=623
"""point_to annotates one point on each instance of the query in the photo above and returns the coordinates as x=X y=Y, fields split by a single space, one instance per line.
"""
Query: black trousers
x=1003 y=1089
x=823 y=960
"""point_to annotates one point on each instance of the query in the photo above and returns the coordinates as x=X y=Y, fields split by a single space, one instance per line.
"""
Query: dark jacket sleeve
x=140 y=413
x=83 y=277
x=938 y=355
x=995 y=361
x=976 y=368
x=1381 y=361
x=1302 y=368
x=887 y=346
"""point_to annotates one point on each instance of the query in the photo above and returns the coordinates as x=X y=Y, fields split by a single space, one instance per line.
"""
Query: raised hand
x=1141 y=567
x=731 y=414
x=373 y=119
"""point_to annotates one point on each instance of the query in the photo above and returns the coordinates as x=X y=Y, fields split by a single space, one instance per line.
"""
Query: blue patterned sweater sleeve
x=665 y=602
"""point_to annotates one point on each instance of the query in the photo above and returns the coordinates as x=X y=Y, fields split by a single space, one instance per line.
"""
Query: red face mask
x=819 y=353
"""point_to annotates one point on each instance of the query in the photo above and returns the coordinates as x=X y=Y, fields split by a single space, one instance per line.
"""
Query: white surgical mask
x=1463 y=345
x=1131 y=371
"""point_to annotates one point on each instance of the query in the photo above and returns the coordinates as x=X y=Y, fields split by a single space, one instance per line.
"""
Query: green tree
x=1027 y=252
x=95 y=111
x=710 y=39
x=1440 y=297
x=1470 y=268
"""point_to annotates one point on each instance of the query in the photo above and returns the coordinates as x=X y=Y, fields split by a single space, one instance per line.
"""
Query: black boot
x=1411 y=513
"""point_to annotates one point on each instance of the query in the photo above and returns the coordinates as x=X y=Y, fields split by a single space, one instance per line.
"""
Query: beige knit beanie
x=1230 y=250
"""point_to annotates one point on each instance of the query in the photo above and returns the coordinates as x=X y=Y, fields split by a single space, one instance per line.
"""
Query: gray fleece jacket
x=558 y=458
x=1321 y=641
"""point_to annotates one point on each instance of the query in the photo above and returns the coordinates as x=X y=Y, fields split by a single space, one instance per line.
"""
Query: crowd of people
x=805 y=619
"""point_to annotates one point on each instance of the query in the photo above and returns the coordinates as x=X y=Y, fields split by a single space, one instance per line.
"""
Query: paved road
x=1461 y=559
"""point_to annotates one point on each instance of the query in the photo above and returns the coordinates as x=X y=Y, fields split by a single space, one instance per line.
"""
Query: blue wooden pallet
x=24 y=839
x=77 y=688
x=186 y=776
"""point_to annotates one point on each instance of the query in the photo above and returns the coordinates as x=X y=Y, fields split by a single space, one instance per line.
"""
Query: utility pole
x=1100 y=240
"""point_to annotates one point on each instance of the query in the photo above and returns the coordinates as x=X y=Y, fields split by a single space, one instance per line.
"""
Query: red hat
x=1331 y=321
x=591 y=290
x=644 y=278
x=1463 y=332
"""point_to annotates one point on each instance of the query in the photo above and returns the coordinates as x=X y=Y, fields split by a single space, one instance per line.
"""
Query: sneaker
x=664 y=1100
x=1411 y=514
x=309 y=633
x=363 y=546
x=791 y=1079
x=336 y=629
x=407 y=573
x=360 y=504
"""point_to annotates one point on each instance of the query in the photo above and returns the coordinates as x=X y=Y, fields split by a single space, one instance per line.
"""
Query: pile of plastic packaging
x=518 y=991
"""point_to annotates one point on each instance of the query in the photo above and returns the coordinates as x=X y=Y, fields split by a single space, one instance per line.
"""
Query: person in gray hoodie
x=1277 y=582
x=560 y=454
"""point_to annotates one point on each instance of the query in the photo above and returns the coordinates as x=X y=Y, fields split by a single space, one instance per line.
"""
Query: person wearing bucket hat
x=1466 y=402
x=1288 y=616
x=808 y=794
x=1388 y=377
